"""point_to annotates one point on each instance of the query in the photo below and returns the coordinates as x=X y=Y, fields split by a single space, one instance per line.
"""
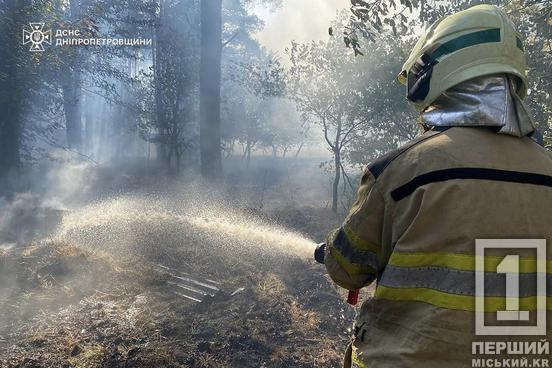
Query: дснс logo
x=36 y=36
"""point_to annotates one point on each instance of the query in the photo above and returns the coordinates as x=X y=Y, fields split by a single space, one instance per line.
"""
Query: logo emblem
x=36 y=36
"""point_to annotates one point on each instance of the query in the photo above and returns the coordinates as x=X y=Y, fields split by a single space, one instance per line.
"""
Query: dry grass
x=271 y=286
x=93 y=356
x=309 y=320
x=82 y=308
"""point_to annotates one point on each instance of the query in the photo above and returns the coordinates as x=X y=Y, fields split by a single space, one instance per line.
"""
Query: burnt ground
x=65 y=305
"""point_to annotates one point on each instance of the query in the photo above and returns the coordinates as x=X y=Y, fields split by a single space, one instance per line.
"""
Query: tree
x=210 y=72
x=209 y=88
x=71 y=87
x=392 y=119
x=320 y=85
x=174 y=81
x=356 y=101
x=254 y=90
x=20 y=83
x=12 y=86
x=285 y=132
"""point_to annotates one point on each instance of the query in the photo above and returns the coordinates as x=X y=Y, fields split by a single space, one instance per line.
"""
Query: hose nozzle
x=319 y=252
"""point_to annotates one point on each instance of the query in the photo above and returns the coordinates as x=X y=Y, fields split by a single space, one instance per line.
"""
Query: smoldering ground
x=103 y=287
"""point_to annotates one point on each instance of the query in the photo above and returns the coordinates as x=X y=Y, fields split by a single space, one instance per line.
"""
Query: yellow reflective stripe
x=459 y=261
x=357 y=361
x=352 y=253
x=350 y=268
x=358 y=242
x=453 y=301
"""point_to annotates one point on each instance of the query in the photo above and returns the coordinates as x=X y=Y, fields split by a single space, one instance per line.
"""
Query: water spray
x=130 y=224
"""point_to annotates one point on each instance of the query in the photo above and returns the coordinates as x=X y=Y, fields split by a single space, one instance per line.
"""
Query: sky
x=300 y=20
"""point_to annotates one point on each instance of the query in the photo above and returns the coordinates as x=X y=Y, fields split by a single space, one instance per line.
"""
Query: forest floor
x=67 y=304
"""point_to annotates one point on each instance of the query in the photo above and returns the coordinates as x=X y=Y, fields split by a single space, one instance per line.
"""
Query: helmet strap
x=419 y=77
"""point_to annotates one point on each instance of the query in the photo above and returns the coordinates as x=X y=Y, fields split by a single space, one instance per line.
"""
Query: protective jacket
x=413 y=231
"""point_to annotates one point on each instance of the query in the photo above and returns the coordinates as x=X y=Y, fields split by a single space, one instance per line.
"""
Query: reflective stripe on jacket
x=413 y=229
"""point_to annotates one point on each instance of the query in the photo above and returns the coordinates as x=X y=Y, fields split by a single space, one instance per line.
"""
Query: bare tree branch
x=231 y=39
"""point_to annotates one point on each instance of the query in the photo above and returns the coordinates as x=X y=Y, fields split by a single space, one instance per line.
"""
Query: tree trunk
x=178 y=154
x=72 y=108
x=71 y=88
x=337 y=178
x=10 y=100
x=10 y=137
x=337 y=163
x=159 y=56
x=103 y=140
x=209 y=88
x=299 y=149
x=90 y=107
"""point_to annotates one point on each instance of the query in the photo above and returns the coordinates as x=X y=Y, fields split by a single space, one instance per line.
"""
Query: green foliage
x=356 y=102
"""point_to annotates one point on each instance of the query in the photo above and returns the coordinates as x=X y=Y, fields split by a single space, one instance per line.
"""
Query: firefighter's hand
x=319 y=252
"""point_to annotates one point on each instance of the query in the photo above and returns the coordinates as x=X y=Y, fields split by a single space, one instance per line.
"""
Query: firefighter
x=474 y=173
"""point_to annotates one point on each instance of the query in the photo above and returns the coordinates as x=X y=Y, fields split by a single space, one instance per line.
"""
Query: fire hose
x=319 y=254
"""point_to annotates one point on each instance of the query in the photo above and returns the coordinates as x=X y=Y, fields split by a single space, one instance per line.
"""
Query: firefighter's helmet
x=475 y=42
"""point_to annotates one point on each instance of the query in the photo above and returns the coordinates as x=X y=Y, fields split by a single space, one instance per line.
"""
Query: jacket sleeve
x=354 y=252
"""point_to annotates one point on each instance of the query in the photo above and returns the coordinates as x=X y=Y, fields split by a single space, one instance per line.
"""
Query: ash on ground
x=105 y=296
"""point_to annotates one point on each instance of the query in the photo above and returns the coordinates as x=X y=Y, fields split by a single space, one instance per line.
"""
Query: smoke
x=107 y=208
x=32 y=214
x=68 y=184
x=188 y=225
x=25 y=218
x=294 y=21
x=13 y=214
